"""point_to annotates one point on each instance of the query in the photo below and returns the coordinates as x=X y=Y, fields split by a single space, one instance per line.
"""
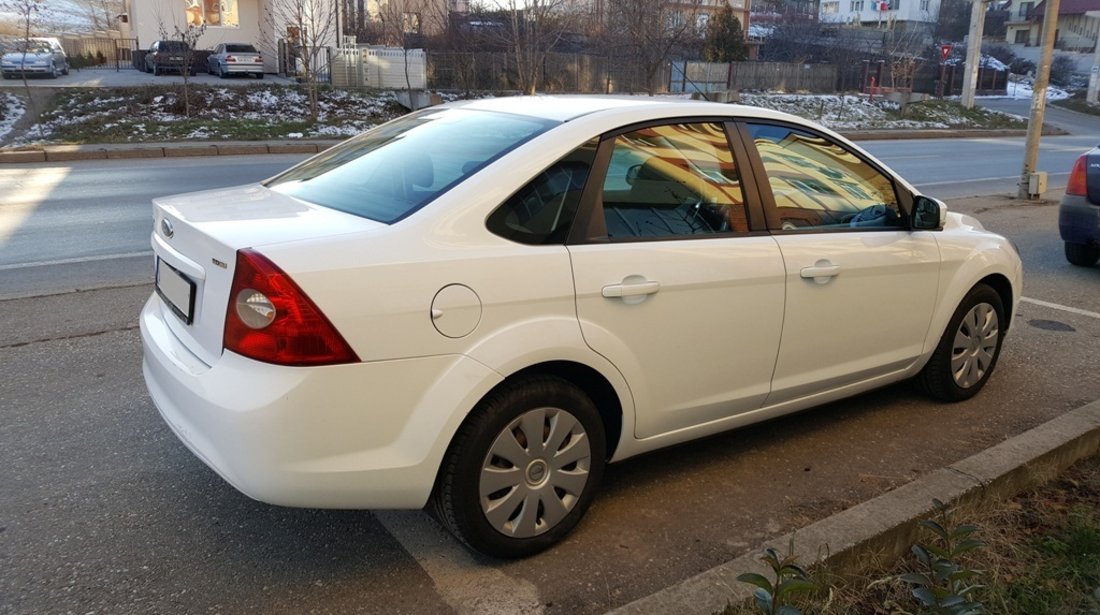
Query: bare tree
x=651 y=31
x=309 y=27
x=532 y=28
x=29 y=12
x=403 y=25
x=101 y=13
x=189 y=34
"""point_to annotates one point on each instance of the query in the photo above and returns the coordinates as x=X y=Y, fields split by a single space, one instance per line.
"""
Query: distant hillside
x=59 y=17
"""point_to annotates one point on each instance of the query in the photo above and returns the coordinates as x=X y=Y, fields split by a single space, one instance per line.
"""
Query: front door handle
x=821 y=272
x=636 y=289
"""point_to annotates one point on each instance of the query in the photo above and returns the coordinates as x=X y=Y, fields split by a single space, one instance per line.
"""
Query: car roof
x=566 y=108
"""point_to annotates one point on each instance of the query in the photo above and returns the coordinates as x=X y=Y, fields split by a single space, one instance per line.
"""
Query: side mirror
x=929 y=214
x=632 y=174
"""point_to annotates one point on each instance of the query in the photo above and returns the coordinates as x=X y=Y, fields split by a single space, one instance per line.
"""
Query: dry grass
x=1042 y=557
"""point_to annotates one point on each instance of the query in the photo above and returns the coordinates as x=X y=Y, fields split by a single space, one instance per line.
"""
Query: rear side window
x=542 y=211
x=673 y=180
x=391 y=171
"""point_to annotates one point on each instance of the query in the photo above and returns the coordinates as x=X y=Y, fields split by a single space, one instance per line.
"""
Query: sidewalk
x=102 y=151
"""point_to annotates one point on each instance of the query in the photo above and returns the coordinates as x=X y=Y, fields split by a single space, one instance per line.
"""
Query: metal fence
x=559 y=72
x=100 y=53
x=717 y=76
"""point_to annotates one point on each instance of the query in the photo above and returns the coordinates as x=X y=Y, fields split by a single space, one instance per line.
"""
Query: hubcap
x=535 y=472
x=975 y=345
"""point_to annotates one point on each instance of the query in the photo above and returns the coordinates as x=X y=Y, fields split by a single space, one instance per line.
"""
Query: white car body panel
x=870 y=319
x=373 y=434
x=716 y=299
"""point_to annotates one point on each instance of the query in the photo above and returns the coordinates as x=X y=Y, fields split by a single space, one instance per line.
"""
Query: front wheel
x=1082 y=255
x=523 y=468
x=967 y=353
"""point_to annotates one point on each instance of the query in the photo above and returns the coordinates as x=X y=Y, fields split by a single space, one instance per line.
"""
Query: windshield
x=391 y=171
x=34 y=47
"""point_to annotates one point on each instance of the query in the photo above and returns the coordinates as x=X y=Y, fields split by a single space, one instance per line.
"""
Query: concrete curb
x=887 y=526
x=64 y=153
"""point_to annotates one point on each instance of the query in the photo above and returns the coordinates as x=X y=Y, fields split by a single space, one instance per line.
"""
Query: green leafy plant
x=771 y=598
x=945 y=586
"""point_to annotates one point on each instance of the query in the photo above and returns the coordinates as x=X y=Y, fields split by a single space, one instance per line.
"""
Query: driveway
x=129 y=77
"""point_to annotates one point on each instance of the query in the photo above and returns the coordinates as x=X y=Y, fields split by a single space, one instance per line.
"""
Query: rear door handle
x=631 y=290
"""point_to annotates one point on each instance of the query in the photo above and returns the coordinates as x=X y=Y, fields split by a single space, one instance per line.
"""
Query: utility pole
x=1094 y=75
x=1039 y=97
x=973 y=53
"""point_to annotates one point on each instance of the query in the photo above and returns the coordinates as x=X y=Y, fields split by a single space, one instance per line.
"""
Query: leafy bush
x=1061 y=70
x=790 y=579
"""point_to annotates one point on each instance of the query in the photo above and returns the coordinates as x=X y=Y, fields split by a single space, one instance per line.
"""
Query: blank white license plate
x=177 y=290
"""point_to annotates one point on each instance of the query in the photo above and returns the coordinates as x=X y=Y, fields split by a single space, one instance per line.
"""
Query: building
x=1077 y=32
x=897 y=15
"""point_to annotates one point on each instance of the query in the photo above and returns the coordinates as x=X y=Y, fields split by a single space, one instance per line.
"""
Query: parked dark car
x=1079 y=215
x=175 y=56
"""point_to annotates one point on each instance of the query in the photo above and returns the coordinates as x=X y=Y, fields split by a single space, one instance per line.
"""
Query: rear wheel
x=1082 y=255
x=523 y=468
x=259 y=75
x=156 y=70
x=968 y=351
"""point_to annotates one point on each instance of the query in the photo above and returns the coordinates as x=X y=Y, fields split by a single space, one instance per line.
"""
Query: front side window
x=542 y=211
x=673 y=180
x=817 y=184
x=391 y=171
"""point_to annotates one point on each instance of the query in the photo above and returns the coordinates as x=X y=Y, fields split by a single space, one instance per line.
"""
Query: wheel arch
x=999 y=283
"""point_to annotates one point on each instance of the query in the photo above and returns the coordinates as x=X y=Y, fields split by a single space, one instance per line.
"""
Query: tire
x=1082 y=255
x=259 y=75
x=538 y=503
x=156 y=70
x=956 y=376
x=222 y=74
x=53 y=71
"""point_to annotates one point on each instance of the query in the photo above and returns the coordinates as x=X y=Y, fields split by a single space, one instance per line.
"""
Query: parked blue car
x=1079 y=215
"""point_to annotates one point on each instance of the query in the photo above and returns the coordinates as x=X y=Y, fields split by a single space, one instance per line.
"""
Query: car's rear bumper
x=1079 y=220
x=366 y=435
x=248 y=69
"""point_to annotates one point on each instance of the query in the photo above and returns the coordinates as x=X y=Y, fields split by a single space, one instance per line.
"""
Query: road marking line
x=1064 y=308
x=468 y=586
x=79 y=259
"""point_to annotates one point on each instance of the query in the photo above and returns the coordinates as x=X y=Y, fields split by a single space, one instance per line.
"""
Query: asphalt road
x=86 y=225
x=103 y=510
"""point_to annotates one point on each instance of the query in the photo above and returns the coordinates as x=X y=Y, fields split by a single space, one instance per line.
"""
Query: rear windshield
x=240 y=48
x=173 y=46
x=391 y=171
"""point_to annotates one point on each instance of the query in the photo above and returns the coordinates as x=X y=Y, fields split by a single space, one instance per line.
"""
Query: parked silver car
x=234 y=59
x=36 y=56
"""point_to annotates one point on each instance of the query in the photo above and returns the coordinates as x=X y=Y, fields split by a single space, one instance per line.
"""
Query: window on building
x=212 y=13
x=830 y=8
x=1021 y=37
x=925 y=5
x=1025 y=8
x=410 y=23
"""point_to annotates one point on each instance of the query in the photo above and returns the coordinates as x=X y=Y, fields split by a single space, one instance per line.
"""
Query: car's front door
x=861 y=286
x=673 y=286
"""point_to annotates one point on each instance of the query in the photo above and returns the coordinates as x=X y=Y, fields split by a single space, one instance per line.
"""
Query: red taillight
x=270 y=319
x=1077 y=184
x=230 y=59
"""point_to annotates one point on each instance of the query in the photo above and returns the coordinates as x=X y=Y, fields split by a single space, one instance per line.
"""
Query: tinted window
x=542 y=211
x=391 y=171
x=172 y=46
x=240 y=48
x=817 y=183
x=671 y=180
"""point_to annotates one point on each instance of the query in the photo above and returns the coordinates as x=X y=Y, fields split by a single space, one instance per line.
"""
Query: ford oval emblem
x=166 y=228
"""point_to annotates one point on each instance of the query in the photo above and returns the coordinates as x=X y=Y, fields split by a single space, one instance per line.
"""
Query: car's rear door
x=674 y=285
x=861 y=286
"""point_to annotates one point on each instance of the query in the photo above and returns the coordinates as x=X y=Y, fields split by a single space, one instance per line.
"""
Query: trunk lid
x=197 y=236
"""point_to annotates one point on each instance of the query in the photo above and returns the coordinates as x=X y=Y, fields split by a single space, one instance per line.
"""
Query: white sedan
x=477 y=306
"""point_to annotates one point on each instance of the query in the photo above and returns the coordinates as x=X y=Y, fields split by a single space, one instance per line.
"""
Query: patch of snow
x=294 y=135
x=13 y=109
x=986 y=62
x=1022 y=90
